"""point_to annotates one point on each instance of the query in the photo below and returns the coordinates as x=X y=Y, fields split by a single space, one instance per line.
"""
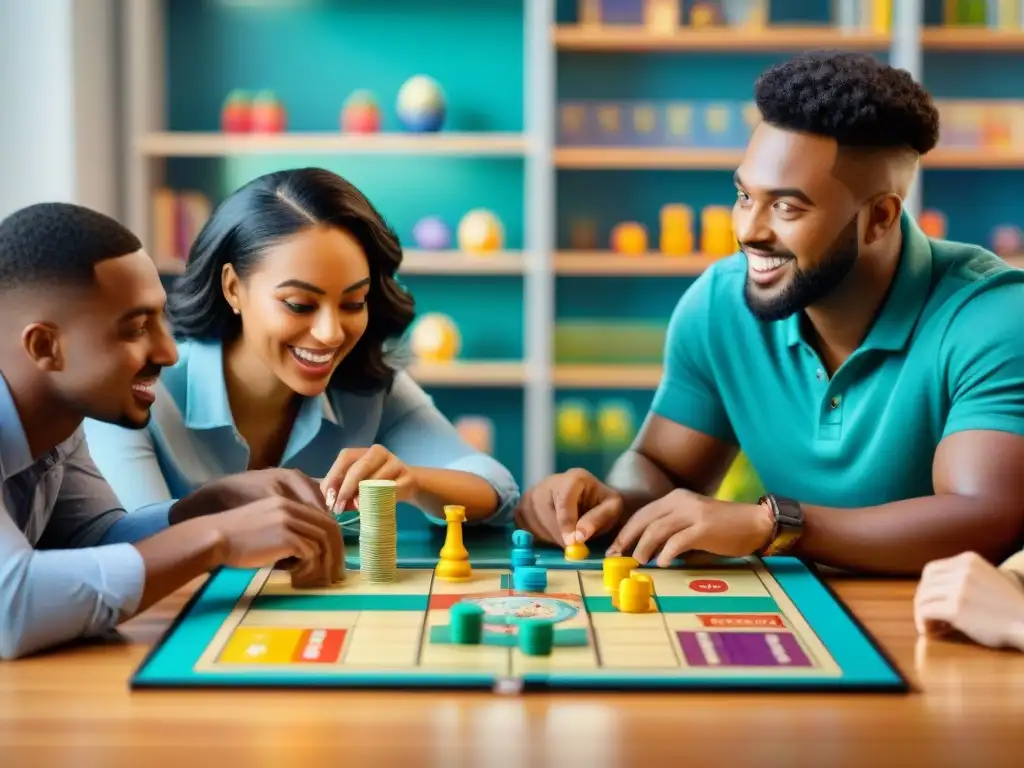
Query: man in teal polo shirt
x=874 y=377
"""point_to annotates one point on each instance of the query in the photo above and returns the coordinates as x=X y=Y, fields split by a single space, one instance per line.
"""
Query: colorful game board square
x=745 y=620
x=742 y=649
x=278 y=645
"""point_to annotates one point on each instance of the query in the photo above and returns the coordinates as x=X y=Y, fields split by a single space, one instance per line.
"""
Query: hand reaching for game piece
x=341 y=485
x=277 y=529
x=244 y=488
x=682 y=521
x=969 y=595
x=570 y=507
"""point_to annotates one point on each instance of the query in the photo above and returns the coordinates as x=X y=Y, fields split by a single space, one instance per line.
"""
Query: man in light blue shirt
x=81 y=311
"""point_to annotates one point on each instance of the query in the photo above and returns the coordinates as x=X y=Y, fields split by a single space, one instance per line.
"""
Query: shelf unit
x=540 y=262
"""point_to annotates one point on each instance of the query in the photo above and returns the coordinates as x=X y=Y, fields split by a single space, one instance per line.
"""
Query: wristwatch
x=789 y=524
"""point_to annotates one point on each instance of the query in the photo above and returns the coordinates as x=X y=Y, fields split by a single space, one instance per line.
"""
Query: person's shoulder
x=720 y=285
x=974 y=290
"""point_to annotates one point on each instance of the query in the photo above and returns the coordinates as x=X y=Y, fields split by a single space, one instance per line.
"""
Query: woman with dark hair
x=287 y=317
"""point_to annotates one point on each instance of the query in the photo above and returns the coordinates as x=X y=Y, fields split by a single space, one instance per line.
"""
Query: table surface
x=73 y=707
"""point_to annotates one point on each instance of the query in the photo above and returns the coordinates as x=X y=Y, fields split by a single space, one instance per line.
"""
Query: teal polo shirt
x=945 y=355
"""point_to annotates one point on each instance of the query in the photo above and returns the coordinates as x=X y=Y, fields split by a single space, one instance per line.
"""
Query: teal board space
x=718 y=624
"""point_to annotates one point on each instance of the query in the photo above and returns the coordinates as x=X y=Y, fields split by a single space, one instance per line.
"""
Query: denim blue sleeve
x=50 y=597
x=415 y=431
x=139 y=525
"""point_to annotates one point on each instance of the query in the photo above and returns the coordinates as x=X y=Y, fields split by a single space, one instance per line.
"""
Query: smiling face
x=304 y=307
x=795 y=220
x=111 y=343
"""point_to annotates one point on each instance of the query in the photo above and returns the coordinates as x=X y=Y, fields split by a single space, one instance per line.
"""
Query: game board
x=747 y=624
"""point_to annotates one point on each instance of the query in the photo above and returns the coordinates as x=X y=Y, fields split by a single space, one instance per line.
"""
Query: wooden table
x=73 y=708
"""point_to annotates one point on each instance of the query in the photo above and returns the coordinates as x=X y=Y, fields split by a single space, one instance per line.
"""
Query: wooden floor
x=73 y=708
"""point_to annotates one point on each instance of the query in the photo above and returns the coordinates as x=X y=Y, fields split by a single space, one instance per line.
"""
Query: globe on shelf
x=421 y=105
x=435 y=338
x=480 y=231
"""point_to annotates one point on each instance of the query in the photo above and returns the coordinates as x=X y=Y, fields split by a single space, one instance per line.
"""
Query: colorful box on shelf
x=609 y=341
x=981 y=124
x=718 y=124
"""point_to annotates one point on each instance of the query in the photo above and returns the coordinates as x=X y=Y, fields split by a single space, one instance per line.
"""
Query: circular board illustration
x=502 y=613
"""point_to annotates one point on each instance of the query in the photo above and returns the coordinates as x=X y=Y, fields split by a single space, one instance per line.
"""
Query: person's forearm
x=639 y=480
x=176 y=556
x=902 y=537
x=436 y=488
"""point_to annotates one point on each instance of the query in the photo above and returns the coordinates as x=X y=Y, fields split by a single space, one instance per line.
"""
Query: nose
x=329 y=329
x=750 y=224
x=165 y=350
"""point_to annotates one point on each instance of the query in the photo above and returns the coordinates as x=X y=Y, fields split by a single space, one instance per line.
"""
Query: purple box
x=575 y=123
x=679 y=120
x=622 y=11
x=608 y=123
x=742 y=649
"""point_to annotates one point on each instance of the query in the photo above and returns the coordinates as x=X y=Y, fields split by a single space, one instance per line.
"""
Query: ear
x=42 y=343
x=883 y=214
x=231 y=286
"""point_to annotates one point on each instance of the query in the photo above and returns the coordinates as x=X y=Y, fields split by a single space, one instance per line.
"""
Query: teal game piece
x=467 y=623
x=529 y=578
x=536 y=638
x=522 y=539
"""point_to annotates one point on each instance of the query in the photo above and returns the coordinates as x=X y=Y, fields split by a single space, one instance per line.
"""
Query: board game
x=731 y=624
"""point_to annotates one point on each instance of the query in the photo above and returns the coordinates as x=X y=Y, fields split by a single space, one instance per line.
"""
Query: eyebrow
x=794 y=192
x=303 y=285
x=131 y=314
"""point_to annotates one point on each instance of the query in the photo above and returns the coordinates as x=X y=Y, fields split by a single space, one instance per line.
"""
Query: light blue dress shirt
x=191 y=438
x=66 y=567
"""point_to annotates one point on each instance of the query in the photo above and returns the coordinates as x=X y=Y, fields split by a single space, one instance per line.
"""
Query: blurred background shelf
x=415 y=262
x=607 y=376
x=197 y=144
x=466 y=373
x=573 y=37
x=607 y=263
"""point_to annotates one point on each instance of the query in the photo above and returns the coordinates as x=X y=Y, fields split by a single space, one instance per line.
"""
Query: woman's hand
x=353 y=465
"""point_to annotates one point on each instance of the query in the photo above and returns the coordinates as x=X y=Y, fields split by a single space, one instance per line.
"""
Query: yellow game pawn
x=453 y=564
x=576 y=551
x=615 y=570
x=635 y=593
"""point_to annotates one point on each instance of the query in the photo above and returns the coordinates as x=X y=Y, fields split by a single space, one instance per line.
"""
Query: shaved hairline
x=869 y=171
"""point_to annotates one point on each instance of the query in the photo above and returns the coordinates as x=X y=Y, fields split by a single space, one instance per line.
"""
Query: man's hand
x=968 y=594
x=246 y=487
x=274 y=529
x=341 y=485
x=570 y=507
x=682 y=521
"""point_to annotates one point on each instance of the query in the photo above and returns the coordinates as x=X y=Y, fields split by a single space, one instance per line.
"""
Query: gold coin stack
x=378 y=531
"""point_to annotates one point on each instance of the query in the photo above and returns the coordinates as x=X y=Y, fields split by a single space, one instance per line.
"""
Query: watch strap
x=789 y=524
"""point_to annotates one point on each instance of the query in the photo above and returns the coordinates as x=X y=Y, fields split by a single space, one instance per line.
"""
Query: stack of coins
x=378 y=534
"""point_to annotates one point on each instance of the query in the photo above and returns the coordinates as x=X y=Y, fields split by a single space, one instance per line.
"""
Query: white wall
x=58 y=99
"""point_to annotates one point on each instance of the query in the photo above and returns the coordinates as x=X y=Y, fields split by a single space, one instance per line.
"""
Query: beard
x=807 y=287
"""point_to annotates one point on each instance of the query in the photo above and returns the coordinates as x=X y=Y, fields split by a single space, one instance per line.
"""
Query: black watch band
x=789 y=524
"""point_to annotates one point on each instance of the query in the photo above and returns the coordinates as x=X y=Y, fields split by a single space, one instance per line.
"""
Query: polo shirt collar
x=207 y=405
x=907 y=296
x=15 y=455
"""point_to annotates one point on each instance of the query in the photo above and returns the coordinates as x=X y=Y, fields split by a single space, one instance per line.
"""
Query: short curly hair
x=58 y=244
x=850 y=97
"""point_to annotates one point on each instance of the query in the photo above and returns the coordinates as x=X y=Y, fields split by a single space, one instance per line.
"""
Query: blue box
x=644 y=124
x=719 y=125
x=622 y=11
x=680 y=123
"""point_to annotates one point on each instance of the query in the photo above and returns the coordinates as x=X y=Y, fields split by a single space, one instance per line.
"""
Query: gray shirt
x=66 y=569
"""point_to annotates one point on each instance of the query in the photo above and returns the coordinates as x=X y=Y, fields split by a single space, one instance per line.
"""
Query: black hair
x=274 y=207
x=850 y=97
x=53 y=244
